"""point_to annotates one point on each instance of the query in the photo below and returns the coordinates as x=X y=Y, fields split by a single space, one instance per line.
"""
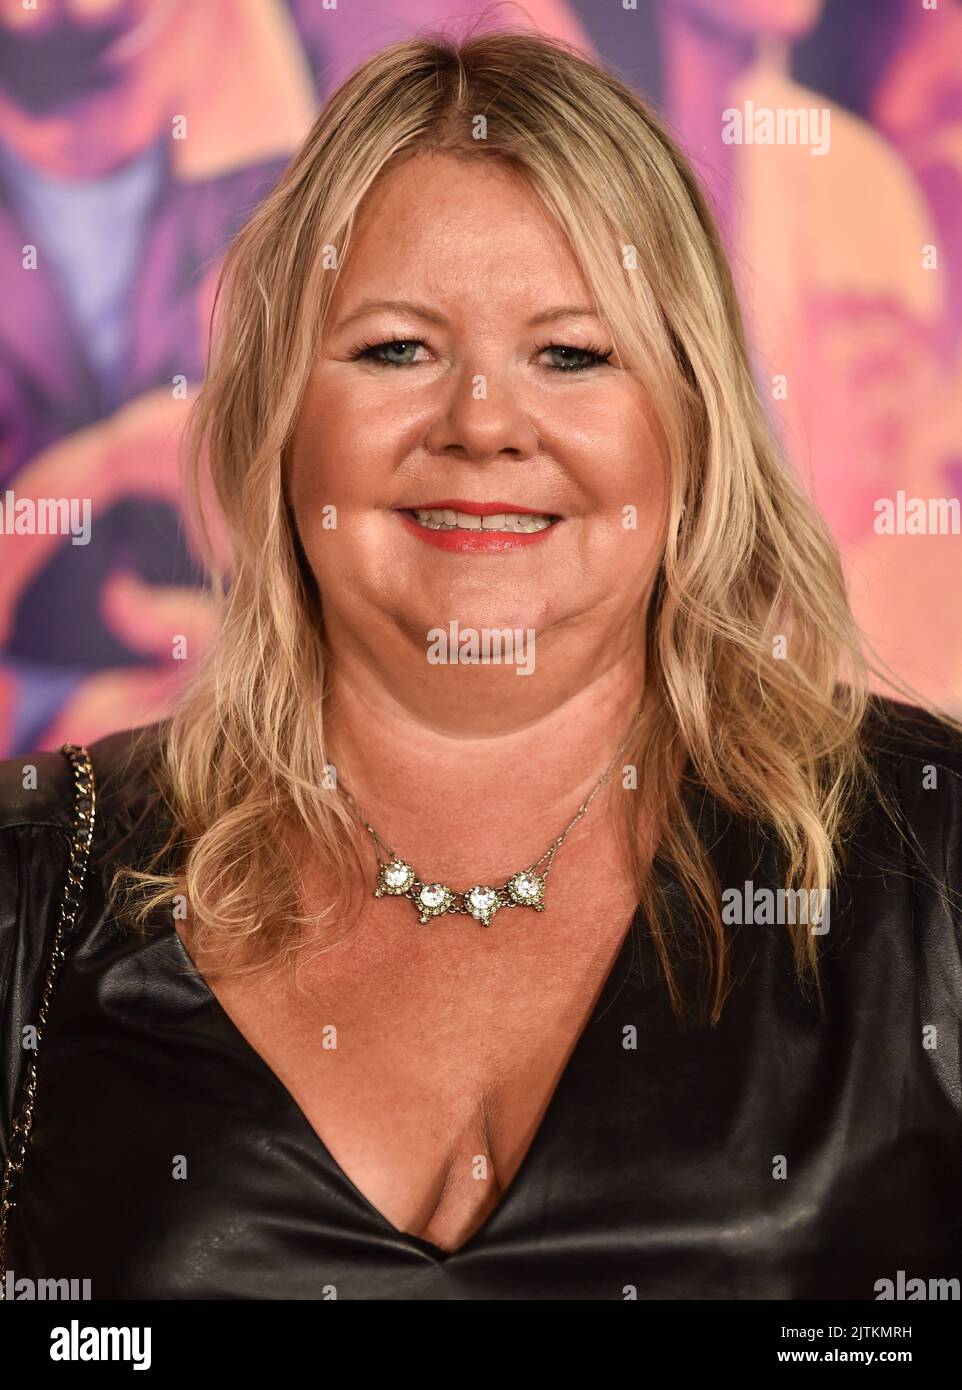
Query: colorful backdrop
x=136 y=135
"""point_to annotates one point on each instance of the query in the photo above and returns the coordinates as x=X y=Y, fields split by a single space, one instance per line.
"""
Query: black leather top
x=776 y=1155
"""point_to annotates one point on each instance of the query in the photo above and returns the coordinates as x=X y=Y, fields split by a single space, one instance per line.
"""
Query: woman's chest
x=779 y=1154
x=424 y=1058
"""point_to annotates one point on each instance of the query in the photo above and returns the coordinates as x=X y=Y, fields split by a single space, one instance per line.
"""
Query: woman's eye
x=572 y=359
x=396 y=352
x=400 y=352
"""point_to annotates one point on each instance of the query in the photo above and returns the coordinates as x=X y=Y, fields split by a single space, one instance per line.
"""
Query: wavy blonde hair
x=747 y=559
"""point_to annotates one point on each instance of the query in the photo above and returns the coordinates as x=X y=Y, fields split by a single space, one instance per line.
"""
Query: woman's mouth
x=447 y=519
x=478 y=526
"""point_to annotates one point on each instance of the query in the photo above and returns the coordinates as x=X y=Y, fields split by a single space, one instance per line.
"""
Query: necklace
x=396 y=878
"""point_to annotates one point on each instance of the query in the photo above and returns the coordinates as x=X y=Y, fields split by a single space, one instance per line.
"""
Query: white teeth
x=448 y=520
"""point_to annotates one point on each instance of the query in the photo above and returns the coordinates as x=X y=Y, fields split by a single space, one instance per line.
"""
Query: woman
x=411 y=961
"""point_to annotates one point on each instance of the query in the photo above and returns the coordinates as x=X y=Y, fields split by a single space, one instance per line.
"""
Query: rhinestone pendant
x=527 y=890
x=397 y=879
x=434 y=900
x=394 y=878
x=482 y=902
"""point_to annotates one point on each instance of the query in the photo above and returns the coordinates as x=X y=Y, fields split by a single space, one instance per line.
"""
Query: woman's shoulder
x=38 y=803
x=38 y=799
x=35 y=792
x=37 y=789
x=896 y=733
x=917 y=757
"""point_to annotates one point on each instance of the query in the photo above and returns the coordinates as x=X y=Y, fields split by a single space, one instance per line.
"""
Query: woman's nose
x=482 y=418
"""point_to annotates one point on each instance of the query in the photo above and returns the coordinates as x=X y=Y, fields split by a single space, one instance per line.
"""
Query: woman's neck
x=472 y=803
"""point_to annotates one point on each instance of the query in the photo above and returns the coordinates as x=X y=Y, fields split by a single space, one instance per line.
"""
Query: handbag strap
x=82 y=829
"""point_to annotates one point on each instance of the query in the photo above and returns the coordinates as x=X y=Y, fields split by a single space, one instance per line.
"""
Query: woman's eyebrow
x=422 y=311
x=402 y=306
x=563 y=311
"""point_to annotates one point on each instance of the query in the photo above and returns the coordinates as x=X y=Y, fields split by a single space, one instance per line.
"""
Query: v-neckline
x=616 y=976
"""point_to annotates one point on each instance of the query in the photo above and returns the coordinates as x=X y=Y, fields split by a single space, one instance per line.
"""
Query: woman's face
x=535 y=470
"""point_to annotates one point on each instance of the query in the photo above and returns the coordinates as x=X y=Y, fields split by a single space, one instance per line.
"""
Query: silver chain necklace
x=396 y=878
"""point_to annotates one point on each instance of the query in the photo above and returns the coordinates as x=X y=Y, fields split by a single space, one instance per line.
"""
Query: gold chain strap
x=85 y=805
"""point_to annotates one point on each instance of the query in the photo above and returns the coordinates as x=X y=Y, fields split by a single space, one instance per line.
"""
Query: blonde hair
x=747 y=559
